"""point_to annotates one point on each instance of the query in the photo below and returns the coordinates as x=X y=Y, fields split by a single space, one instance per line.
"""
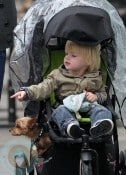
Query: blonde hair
x=91 y=54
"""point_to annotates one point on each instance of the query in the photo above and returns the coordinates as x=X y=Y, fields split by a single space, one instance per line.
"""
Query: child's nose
x=67 y=57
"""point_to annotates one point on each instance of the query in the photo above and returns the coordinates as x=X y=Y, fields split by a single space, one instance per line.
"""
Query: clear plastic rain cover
x=26 y=64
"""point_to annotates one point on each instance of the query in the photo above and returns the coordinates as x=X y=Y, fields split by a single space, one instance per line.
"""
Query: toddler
x=78 y=74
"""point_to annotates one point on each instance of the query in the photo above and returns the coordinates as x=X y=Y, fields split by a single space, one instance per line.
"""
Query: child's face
x=75 y=63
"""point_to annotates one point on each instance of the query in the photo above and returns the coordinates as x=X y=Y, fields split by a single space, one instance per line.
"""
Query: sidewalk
x=4 y=109
x=9 y=145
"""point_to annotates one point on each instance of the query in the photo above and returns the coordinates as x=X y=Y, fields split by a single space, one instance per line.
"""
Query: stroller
x=83 y=24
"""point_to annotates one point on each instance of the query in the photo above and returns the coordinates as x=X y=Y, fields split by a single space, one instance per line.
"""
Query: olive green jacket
x=65 y=84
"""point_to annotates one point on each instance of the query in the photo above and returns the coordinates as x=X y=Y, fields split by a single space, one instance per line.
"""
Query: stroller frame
x=86 y=139
x=55 y=40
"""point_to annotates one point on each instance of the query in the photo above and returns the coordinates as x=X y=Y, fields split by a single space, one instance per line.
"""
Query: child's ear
x=32 y=122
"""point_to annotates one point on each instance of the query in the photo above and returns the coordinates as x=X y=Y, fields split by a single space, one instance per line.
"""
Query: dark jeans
x=62 y=116
x=2 y=68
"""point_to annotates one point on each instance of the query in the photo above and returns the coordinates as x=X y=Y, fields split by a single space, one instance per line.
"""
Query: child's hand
x=19 y=95
x=90 y=96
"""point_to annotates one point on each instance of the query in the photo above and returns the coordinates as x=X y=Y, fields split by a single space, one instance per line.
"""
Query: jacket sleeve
x=98 y=88
x=43 y=89
x=101 y=94
x=95 y=85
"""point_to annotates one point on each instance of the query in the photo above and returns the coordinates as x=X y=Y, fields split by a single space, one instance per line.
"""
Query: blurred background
x=9 y=111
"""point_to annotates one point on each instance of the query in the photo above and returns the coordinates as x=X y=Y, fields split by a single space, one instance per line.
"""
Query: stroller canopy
x=33 y=32
x=83 y=24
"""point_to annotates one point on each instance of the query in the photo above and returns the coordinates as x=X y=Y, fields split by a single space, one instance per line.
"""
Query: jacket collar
x=86 y=75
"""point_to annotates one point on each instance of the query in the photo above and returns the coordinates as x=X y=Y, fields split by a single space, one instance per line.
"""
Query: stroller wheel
x=122 y=162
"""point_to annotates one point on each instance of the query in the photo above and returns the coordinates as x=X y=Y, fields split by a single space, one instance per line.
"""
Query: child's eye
x=73 y=55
